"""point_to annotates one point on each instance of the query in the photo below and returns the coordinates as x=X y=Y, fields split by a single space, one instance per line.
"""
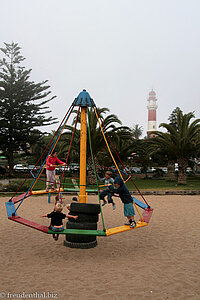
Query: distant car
x=165 y=170
x=151 y=170
x=189 y=170
x=74 y=168
x=135 y=170
x=64 y=168
x=32 y=167
x=20 y=168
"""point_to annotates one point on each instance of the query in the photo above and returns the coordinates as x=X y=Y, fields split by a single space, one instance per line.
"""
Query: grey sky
x=118 y=50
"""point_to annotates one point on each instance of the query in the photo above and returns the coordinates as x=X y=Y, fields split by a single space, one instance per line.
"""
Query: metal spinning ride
x=83 y=102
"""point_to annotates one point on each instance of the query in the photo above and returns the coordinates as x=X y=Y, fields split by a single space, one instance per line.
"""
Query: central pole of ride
x=83 y=153
x=83 y=101
x=87 y=212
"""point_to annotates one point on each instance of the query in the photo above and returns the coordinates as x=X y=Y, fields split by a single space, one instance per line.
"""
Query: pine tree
x=173 y=118
x=23 y=104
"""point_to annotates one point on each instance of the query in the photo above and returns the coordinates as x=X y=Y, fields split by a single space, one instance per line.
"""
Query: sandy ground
x=160 y=261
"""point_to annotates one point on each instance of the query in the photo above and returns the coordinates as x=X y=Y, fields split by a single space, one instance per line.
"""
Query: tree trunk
x=171 y=175
x=91 y=174
x=10 y=163
x=182 y=165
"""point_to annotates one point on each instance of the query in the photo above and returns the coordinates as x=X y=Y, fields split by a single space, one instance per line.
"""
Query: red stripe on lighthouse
x=152 y=115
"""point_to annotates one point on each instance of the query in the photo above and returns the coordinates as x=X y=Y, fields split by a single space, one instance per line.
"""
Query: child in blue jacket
x=126 y=198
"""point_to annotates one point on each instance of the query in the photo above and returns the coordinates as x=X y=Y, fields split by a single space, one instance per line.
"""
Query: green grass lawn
x=193 y=183
x=40 y=184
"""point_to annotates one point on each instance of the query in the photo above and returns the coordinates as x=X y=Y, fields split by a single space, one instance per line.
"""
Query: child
x=126 y=198
x=56 y=217
x=50 y=169
x=107 y=180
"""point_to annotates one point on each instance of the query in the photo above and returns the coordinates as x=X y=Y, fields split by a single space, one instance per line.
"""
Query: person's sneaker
x=133 y=224
x=114 y=206
x=104 y=202
x=53 y=188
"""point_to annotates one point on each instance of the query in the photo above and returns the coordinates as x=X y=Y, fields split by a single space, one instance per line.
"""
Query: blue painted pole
x=49 y=198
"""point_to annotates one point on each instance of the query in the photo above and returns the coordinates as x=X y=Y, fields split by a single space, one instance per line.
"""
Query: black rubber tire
x=76 y=238
x=87 y=208
x=88 y=226
x=80 y=245
x=84 y=218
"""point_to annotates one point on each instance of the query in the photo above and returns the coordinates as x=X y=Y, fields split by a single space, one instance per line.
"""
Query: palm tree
x=162 y=144
x=124 y=143
x=65 y=143
x=99 y=147
x=184 y=141
x=143 y=157
x=98 y=144
x=137 y=131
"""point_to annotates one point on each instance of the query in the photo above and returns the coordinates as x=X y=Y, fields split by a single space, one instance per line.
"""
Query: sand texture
x=159 y=261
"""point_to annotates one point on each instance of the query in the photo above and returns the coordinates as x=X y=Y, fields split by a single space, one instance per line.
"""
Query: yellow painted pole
x=83 y=151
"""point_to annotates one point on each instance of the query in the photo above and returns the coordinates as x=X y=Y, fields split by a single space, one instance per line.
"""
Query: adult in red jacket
x=50 y=169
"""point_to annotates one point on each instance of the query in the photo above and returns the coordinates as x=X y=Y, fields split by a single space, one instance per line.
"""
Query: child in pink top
x=50 y=169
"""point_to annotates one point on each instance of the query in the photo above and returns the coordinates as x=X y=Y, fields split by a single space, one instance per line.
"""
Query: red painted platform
x=147 y=214
x=20 y=197
x=29 y=223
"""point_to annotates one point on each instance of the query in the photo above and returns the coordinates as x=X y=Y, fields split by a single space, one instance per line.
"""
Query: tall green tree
x=23 y=104
x=184 y=141
x=124 y=143
x=137 y=131
x=173 y=118
x=162 y=145
x=142 y=157
x=99 y=148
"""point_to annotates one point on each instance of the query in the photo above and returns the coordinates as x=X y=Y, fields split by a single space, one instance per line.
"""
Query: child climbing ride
x=108 y=181
x=125 y=196
x=50 y=169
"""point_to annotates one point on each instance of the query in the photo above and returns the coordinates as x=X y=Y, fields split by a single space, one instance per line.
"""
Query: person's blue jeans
x=57 y=229
x=107 y=193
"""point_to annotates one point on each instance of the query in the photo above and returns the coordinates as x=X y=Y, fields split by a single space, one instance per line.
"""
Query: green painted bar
x=79 y=231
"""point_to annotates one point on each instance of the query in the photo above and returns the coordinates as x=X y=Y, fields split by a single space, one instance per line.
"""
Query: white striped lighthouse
x=152 y=106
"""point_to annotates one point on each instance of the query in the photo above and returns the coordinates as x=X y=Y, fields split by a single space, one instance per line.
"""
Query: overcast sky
x=118 y=50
